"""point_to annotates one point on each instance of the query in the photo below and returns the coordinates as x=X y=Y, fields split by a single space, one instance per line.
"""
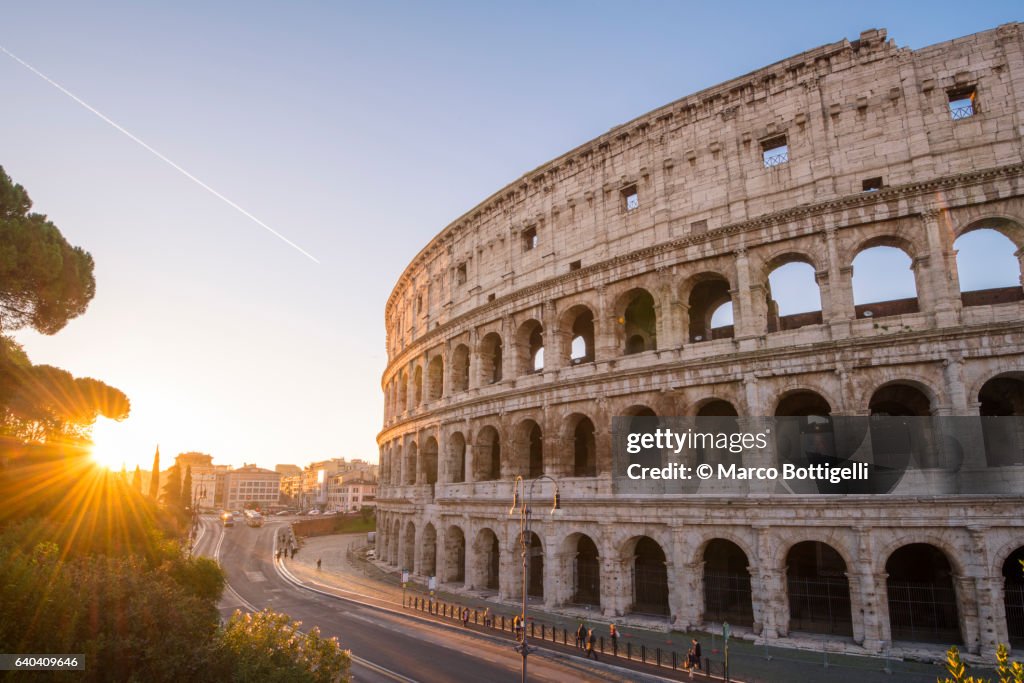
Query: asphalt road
x=385 y=646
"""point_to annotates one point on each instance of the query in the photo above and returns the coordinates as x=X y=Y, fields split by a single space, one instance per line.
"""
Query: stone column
x=605 y=327
x=509 y=354
x=838 y=309
x=967 y=606
x=616 y=585
x=473 y=380
x=942 y=278
x=554 y=339
x=745 y=321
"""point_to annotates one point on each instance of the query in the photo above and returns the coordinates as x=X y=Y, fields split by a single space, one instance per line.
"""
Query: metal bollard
x=675 y=663
x=643 y=654
x=658 y=657
x=629 y=651
x=542 y=632
x=531 y=629
x=502 y=622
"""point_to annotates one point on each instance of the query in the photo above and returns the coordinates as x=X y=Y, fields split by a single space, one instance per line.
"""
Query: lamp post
x=525 y=500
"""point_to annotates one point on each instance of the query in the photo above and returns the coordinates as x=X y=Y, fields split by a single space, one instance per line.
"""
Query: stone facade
x=587 y=289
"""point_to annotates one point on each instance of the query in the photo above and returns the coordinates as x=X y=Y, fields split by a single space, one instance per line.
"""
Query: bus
x=253 y=518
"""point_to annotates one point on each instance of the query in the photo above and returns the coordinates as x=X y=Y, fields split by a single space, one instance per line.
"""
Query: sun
x=110 y=448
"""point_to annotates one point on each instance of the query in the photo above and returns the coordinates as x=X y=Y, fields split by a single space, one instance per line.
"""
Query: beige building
x=632 y=276
x=252 y=484
x=350 y=494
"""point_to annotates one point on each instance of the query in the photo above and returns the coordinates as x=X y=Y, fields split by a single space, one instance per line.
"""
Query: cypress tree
x=172 y=489
x=137 y=479
x=186 y=488
x=154 y=480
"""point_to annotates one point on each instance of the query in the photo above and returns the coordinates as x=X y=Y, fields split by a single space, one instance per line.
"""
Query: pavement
x=344 y=569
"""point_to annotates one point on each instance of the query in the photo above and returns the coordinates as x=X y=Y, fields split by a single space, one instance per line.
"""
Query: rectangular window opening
x=490 y=297
x=460 y=274
x=530 y=239
x=962 y=103
x=575 y=265
x=872 y=185
x=774 y=151
x=631 y=198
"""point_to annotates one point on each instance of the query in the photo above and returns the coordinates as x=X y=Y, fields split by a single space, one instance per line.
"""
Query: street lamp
x=524 y=504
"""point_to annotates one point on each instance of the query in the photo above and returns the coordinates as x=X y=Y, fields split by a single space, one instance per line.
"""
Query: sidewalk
x=345 y=567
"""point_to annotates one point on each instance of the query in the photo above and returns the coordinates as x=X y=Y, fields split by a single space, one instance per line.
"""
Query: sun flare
x=110 y=445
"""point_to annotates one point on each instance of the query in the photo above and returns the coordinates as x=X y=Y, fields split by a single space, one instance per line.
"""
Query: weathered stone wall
x=712 y=220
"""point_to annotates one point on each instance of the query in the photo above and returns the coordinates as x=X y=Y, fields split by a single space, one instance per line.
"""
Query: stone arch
x=490 y=354
x=487 y=560
x=460 y=368
x=785 y=274
x=435 y=378
x=636 y=313
x=922 y=597
x=726 y=578
x=417 y=386
x=802 y=402
x=818 y=589
x=873 y=305
x=705 y=293
x=487 y=454
x=999 y=397
x=428 y=457
x=585 y=566
x=428 y=551
x=454 y=555
x=456 y=458
x=529 y=348
x=903 y=397
x=990 y=262
x=576 y=325
x=411 y=464
x=1013 y=595
x=409 y=547
x=581 y=441
x=648 y=563
x=528 y=449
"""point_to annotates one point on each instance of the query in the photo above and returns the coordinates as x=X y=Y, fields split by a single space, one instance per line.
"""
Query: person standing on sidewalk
x=581 y=636
x=613 y=633
x=695 y=655
x=591 y=639
x=465 y=617
x=318 y=564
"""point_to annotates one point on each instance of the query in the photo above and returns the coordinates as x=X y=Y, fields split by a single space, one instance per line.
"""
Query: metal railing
x=771 y=160
x=965 y=111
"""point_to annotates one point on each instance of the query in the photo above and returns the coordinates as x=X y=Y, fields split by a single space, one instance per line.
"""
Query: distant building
x=252 y=484
x=288 y=470
x=350 y=495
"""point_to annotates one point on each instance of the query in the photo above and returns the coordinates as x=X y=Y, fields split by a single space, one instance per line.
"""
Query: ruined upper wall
x=849 y=112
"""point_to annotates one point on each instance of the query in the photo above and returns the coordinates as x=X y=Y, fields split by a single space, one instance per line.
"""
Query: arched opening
x=1013 y=596
x=640 y=322
x=883 y=283
x=530 y=346
x=409 y=471
x=489 y=557
x=457 y=457
x=417 y=387
x=529 y=449
x=650 y=578
x=643 y=421
x=710 y=309
x=720 y=416
x=460 y=368
x=922 y=599
x=490 y=358
x=899 y=400
x=586 y=572
x=584 y=446
x=409 y=548
x=794 y=299
x=403 y=392
x=1003 y=397
x=428 y=551
x=810 y=439
x=819 y=592
x=435 y=378
x=578 y=326
x=487 y=455
x=896 y=443
x=727 y=595
x=535 y=566
x=429 y=456
x=986 y=264
x=455 y=555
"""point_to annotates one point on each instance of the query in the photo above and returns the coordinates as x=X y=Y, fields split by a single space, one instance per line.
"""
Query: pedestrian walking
x=581 y=636
x=591 y=639
x=487 y=617
x=694 y=656
x=277 y=555
x=318 y=564
x=517 y=626
x=293 y=552
x=465 y=617
x=613 y=633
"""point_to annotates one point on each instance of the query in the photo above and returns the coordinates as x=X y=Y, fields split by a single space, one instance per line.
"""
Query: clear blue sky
x=359 y=130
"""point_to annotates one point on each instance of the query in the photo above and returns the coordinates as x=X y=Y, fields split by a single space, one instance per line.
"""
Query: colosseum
x=632 y=276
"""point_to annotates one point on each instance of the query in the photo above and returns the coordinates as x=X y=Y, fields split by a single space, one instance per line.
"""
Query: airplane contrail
x=158 y=155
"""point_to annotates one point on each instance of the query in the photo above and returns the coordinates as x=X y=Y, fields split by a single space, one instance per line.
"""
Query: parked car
x=313 y=512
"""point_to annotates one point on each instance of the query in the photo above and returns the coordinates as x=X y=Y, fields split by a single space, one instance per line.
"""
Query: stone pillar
x=556 y=574
x=605 y=327
x=941 y=275
x=745 y=321
x=884 y=623
x=554 y=339
x=768 y=591
x=510 y=572
x=510 y=353
x=988 y=596
x=838 y=309
x=473 y=380
x=616 y=585
x=967 y=606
